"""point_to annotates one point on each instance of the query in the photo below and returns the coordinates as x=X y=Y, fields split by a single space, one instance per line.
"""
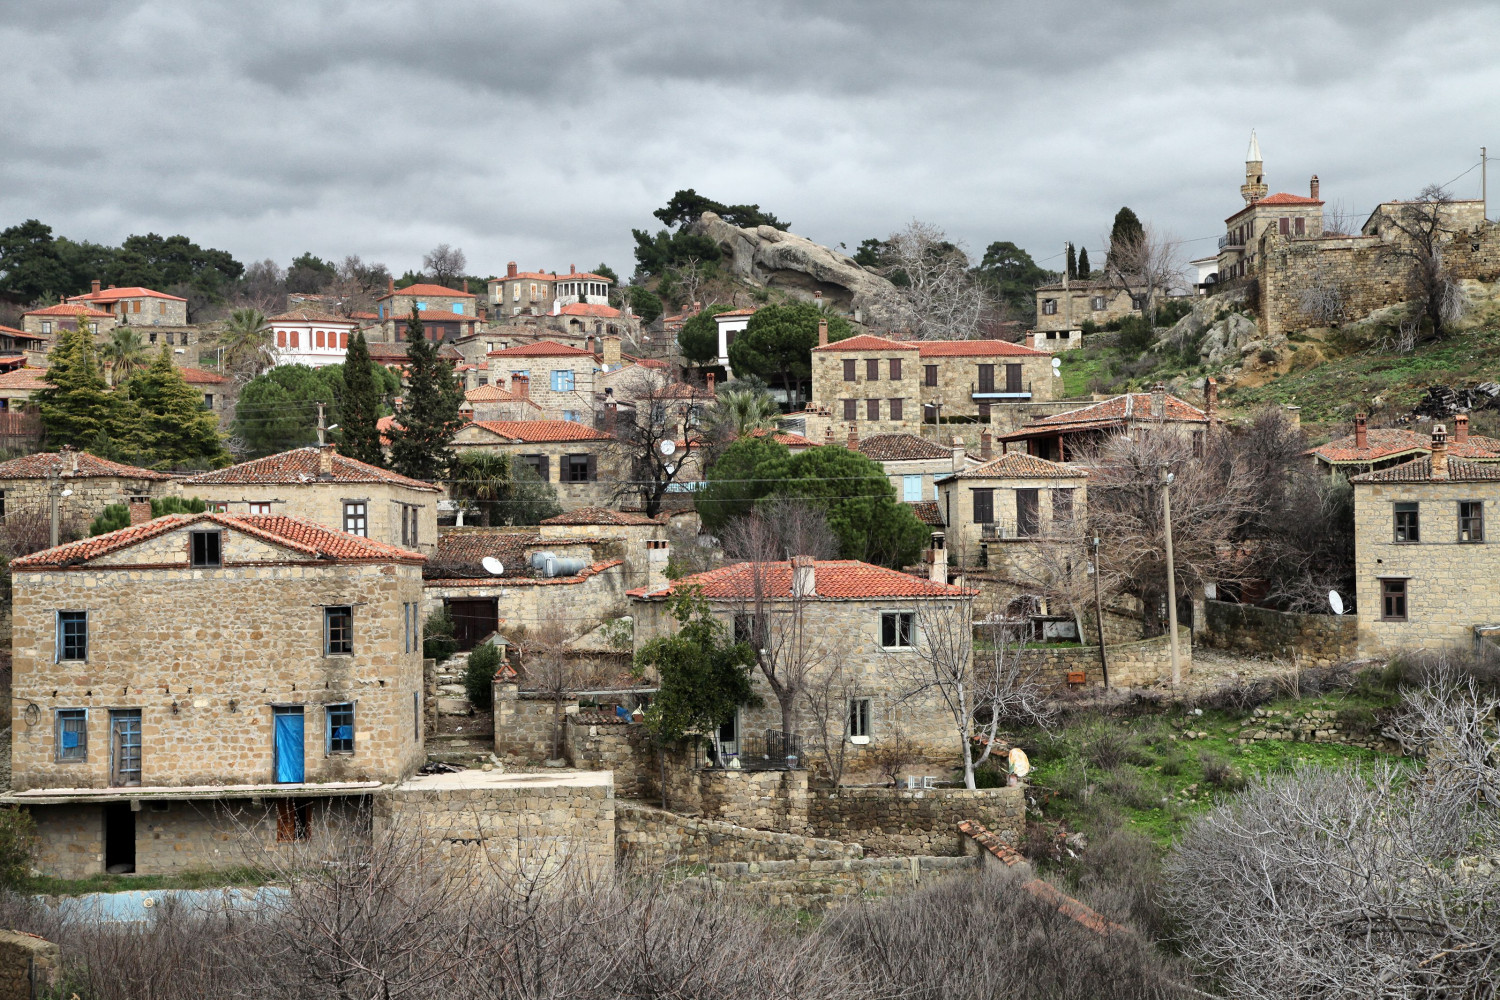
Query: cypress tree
x=1072 y=262
x=359 y=435
x=1083 y=262
x=176 y=431
x=1126 y=230
x=429 y=416
x=75 y=407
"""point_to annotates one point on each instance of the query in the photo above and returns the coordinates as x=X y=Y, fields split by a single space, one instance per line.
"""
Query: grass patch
x=228 y=878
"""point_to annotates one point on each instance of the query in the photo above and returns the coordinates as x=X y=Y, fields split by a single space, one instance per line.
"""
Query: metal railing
x=772 y=751
x=999 y=389
x=993 y=530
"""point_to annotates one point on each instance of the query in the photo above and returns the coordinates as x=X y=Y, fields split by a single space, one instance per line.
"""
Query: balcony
x=1231 y=241
x=995 y=531
x=1011 y=390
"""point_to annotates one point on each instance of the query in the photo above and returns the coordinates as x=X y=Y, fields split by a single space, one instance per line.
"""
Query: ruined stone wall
x=1315 y=640
x=1076 y=304
x=913 y=821
x=524 y=726
x=1312 y=725
x=29 y=966
x=575 y=604
x=818 y=886
x=649 y=836
x=763 y=800
x=1144 y=663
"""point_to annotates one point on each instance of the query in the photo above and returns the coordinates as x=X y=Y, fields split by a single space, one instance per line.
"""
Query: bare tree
x=1341 y=219
x=690 y=277
x=1423 y=228
x=664 y=414
x=357 y=285
x=938 y=297
x=561 y=676
x=1325 y=299
x=827 y=697
x=262 y=287
x=1146 y=267
x=1456 y=728
x=444 y=263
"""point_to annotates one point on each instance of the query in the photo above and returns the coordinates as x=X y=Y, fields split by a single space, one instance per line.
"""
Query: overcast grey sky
x=542 y=133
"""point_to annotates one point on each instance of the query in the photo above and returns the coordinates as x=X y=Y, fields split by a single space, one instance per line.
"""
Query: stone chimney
x=818 y=298
x=804 y=576
x=936 y=558
x=1439 y=451
x=853 y=440
x=611 y=350
x=610 y=408
x=325 y=460
x=1461 y=428
x=1294 y=415
x=828 y=434
x=572 y=269
x=390 y=286
x=70 y=460
x=140 y=510
x=510 y=269
x=1211 y=399
x=1313 y=187
x=95 y=284
x=1158 y=401
x=658 y=552
x=712 y=378
x=588 y=342
x=1361 y=436
x=1031 y=339
x=985 y=450
x=958 y=454
x=822 y=333
x=521 y=385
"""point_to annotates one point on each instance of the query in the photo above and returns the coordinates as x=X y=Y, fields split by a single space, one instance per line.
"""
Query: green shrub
x=117 y=515
x=17 y=840
x=1172 y=764
x=479 y=675
x=1267 y=356
x=437 y=636
x=1219 y=772
x=1131 y=789
x=1136 y=334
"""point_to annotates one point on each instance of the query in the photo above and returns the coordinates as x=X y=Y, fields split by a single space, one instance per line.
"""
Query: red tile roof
x=25 y=378
x=585 y=309
x=432 y=290
x=541 y=349
x=1279 y=198
x=867 y=342
x=437 y=316
x=50 y=463
x=300 y=465
x=835 y=579
x=508 y=581
x=645 y=362
x=735 y=313
x=539 y=431
x=386 y=353
x=115 y=294
x=1380 y=443
x=495 y=394
x=1135 y=405
x=976 y=349
x=68 y=309
x=11 y=331
x=927 y=512
x=1460 y=470
x=198 y=376
x=312 y=540
x=787 y=438
x=602 y=515
x=461 y=552
x=311 y=316
x=902 y=447
x=1019 y=465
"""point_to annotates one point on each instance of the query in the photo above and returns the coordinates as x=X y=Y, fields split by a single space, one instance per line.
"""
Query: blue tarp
x=289 y=747
x=137 y=905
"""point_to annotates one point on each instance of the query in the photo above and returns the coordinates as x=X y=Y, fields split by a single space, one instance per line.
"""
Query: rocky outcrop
x=1223 y=340
x=795 y=264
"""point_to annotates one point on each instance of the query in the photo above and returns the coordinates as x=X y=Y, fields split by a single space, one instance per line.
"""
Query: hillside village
x=759 y=571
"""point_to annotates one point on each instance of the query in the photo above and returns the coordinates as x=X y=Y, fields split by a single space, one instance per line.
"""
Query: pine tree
x=176 y=431
x=75 y=407
x=1083 y=262
x=429 y=416
x=359 y=416
x=1072 y=262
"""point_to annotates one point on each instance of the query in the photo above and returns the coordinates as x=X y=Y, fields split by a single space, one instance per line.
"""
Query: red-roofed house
x=312 y=338
x=860 y=618
x=49 y=321
x=995 y=513
x=1290 y=215
x=913 y=463
x=446 y=313
x=572 y=456
x=490 y=402
x=538 y=293
x=260 y=674
x=92 y=484
x=555 y=376
x=136 y=306
x=1062 y=436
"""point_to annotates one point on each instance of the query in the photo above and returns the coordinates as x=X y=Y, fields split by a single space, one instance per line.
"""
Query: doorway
x=289 y=745
x=473 y=619
x=119 y=838
x=729 y=736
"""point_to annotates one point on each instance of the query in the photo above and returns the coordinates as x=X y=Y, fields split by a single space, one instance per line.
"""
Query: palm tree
x=122 y=354
x=246 y=341
x=481 y=478
x=741 y=411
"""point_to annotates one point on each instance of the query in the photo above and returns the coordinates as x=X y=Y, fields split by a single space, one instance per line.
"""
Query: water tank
x=550 y=564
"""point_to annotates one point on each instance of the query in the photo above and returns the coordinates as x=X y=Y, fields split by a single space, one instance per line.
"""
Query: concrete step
x=452 y=691
x=454 y=706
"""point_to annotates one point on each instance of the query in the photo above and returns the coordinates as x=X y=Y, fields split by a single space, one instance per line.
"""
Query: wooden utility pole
x=321 y=430
x=1484 y=182
x=1099 y=617
x=1166 y=513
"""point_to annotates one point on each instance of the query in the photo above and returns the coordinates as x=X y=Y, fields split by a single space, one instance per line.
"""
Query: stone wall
x=597 y=743
x=1314 y=640
x=958 y=380
x=29 y=966
x=647 y=836
x=576 y=604
x=1027 y=558
x=1145 y=663
x=91 y=494
x=764 y=800
x=913 y=821
x=830 y=389
x=525 y=726
x=1312 y=725
x=819 y=886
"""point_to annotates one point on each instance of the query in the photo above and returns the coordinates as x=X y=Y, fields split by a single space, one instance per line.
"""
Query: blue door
x=289 y=745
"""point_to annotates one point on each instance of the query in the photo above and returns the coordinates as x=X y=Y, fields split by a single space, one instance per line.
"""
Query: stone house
x=307 y=337
x=913 y=463
x=996 y=514
x=186 y=681
x=1290 y=215
x=864 y=619
x=966 y=378
x=490 y=402
x=136 y=306
x=446 y=313
x=91 y=484
x=1422 y=558
x=537 y=293
x=17 y=387
x=1371 y=449
x=569 y=455
x=1063 y=307
x=15 y=342
x=322 y=486
x=1063 y=437
x=557 y=377
x=50 y=321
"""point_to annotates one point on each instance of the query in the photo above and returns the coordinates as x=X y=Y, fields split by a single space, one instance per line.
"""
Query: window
x=137 y=304
x=317 y=338
x=895 y=409
x=872 y=369
x=72 y=635
x=931 y=373
x=896 y=628
x=72 y=735
x=859 y=719
x=338 y=630
x=295 y=335
x=571 y=415
x=207 y=548
x=1026 y=513
x=1393 y=600
x=1013 y=383
x=93 y=326
x=986 y=378
x=1197 y=444
x=576 y=468
x=217 y=506
x=984 y=506
x=1406 y=523
x=849 y=375
x=1098 y=303
x=208 y=401
x=562 y=381
x=356 y=518
x=984 y=413
x=340 y=728
x=46 y=326
x=895 y=369
x=260 y=507
x=1049 y=307
x=541 y=465
x=872 y=409
x=911 y=488
x=421 y=306
x=1470 y=521
x=1286 y=226
x=1062 y=507
x=458 y=308
x=2 y=505
x=744 y=627
x=851 y=409
x=1300 y=225
x=125 y=747
x=343 y=339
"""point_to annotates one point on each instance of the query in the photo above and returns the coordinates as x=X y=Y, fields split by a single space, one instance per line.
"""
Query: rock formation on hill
x=800 y=267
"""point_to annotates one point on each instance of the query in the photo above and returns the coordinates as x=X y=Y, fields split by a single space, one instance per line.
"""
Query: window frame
x=1049 y=307
x=872 y=369
x=930 y=375
x=62 y=643
x=896 y=371
x=211 y=555
x=987 y=494
x=1395 y=587
x=563 y=380
x=906 y=487
x=81 y=750
x=261 y=508
x=337 y=746
x=895 y=406
x=569 y=465
x=859 y=720
x=1468 y=523
x=905 y=627
x=851 y=410
x=343 y=645
x=358 y=518
x=1404 y=531
x=872 y=408
x=851 y=370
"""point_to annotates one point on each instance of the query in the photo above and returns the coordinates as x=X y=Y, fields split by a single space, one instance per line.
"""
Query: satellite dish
x=1335 y=602
x=1020 y=765
x=492 y=566
x=1057 y=362
x=671 y=469
x=668 y=447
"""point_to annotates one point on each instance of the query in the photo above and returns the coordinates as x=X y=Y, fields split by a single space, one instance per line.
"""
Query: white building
x=731 y=323
x=305 y=337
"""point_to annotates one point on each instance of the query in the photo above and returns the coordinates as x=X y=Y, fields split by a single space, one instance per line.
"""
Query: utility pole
x=53 y=498
x=321 y=430
x=1099 y=616
x=1166 y=513
x=1484 y=182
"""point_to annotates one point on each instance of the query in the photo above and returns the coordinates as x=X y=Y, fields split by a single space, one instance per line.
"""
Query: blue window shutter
x=911 y=488
x=421 y=307
x=458 y=308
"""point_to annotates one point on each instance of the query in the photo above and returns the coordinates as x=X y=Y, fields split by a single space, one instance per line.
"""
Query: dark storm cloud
x=543 y=133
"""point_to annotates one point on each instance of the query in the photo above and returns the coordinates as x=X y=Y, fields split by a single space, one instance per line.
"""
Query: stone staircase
x=452 y=698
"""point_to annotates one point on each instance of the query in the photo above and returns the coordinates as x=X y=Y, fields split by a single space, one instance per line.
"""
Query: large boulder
x=1232 y=338
x=795 y=264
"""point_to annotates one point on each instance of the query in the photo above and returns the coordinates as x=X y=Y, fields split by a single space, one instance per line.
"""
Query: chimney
x=95 y=283
x=712 y=378
x=937 y=559
x=804 y=576
x=853 y=441
x=1031 y=339
x=822 y=333
x=1313 y=187
x=958 y=454
x=1439 y=451
x=1361 y=438
x=1211 y=399
x=140 y=510
x=521 y=385
x=818 y=298
x=510 y=269
x=697 y=307
x=325 y=460
x=1158 y=401
x=572 y=269
x=610 y=407
x=1294 y=415
x=985 y=452
x=1461 y=428
x=390 y=286
x=588 y=342
x=611 y=352
x=658 y=553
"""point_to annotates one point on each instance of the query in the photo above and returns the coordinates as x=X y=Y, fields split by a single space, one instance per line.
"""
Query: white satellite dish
x=1020 y=764
x=1057 y=362
x=1335 y=602
x=493 y=566
x=671 y=468
x=668 y=447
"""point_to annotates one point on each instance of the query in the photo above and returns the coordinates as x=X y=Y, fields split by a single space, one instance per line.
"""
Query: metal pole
x=53 y=498
x=1484 y=182
x=1099 y=617
x=320 y=425
x=1166 y=509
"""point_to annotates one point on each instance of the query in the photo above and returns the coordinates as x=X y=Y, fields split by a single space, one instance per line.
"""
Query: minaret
x=1254 y=188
